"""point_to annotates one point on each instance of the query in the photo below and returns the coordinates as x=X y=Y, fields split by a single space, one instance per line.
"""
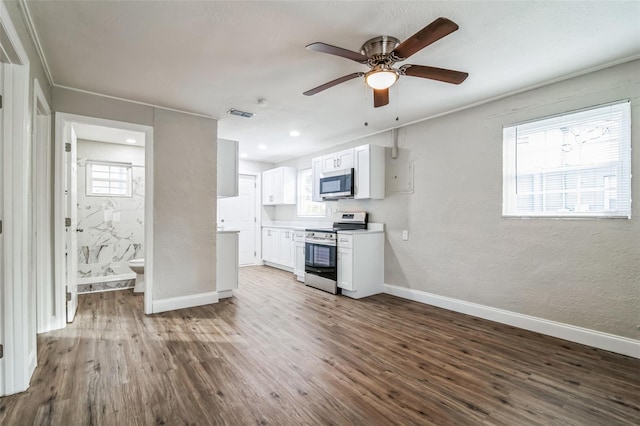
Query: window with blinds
x=108 y=179
x=576 y=164
x=305 y=205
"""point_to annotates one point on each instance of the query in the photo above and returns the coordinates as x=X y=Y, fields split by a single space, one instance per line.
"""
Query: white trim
x=42 y=170
x=63 y=119
x=585 y=336
x=33 y=33
x=102 y=95
x=183 y=302
x=107 y=279
x=17 y=339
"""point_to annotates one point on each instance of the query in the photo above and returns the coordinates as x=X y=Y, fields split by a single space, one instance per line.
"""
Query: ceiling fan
x=381 y=53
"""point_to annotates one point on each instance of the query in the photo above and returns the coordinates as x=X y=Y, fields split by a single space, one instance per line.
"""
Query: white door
x=2 y=180
x=71 y=210
x=239 y=213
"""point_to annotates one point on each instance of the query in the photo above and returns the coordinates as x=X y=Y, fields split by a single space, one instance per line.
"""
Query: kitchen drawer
x=345 y=241
x=299 y=236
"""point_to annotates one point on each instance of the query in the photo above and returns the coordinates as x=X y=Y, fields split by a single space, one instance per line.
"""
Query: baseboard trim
x=224 y=294
x=107 y=278
x=182 y=302
x=585 y=336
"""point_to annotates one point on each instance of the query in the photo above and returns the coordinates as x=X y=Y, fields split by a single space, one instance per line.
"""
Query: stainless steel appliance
x=336 y=185
x=320 y=266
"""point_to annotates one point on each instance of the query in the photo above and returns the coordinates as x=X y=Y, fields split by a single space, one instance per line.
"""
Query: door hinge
x=0 y=227
x=67 y=147
x=255 y=220
x=68 y=293
x=1 y=351
x=255 y=253
x=67 y=221
x=0 y=108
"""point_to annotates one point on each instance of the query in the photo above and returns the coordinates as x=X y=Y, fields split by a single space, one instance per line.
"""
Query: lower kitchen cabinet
x=278 y=248
x=298 y=242
x=360 y=260
x=226 y=263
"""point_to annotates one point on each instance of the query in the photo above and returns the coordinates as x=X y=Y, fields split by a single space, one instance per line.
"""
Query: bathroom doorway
x=102 y=196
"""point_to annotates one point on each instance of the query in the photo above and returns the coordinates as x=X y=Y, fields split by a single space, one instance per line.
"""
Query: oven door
x=320 y=259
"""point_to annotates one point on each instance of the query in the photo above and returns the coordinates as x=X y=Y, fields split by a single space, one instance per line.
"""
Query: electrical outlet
x=405 y=235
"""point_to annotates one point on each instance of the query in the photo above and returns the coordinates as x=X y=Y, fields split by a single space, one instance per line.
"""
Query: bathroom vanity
x=226 y=263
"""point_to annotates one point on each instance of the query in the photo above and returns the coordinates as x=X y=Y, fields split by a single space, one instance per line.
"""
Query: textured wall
x=583 y=272
x=184 y=204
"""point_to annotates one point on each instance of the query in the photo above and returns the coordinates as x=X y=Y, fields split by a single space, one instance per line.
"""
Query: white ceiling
x=109 y=134
x=208 y=57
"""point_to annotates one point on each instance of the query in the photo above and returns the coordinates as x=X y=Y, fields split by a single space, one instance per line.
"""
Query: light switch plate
x=405 y=235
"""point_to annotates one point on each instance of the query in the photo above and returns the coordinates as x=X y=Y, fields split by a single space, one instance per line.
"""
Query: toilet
x=137 y=266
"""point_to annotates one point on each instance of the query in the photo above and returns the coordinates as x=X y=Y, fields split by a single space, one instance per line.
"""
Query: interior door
x=71 y=210
x=3 y=179
x=239 y=213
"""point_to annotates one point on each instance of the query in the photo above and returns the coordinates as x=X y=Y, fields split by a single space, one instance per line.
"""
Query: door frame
x=42 y=175
x=63 y=120
x=17 y=365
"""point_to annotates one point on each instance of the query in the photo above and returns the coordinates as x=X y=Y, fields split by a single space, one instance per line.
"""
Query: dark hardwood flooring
x=280 y=353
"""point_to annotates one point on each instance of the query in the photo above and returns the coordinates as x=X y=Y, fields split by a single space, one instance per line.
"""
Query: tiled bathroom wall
x=110 y=229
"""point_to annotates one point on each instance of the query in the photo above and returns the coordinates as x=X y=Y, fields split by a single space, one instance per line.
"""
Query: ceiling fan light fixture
x=381 y=77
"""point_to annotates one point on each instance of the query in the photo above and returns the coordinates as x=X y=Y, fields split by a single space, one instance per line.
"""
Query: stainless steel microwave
x=335 y=185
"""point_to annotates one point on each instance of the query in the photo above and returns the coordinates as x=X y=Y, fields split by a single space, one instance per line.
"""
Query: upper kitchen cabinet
x=337 y=161
x=369 y=172
x=279 y=186
x=316 y=171
x=227 y=168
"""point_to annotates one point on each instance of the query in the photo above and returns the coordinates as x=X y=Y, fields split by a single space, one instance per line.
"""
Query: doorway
x=240 y=213
x=93 y=245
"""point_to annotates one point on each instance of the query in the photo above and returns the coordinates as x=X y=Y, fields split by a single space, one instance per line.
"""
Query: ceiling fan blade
x=338 y=51
x=430 y=34
x=333 y=83
x=380 y=97
x=440 y=74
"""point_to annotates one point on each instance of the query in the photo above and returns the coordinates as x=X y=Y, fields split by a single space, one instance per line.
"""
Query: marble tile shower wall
x=112 y=227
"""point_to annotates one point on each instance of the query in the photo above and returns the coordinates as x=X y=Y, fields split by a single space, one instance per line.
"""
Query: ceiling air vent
x=239 y=113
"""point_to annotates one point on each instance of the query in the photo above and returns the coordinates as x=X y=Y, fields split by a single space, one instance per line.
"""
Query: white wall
x=579 y=272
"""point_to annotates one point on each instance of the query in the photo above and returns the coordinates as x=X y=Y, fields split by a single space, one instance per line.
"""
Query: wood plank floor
x=280 y=353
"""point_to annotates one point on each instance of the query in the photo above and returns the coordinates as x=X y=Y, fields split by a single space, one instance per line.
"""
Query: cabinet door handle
x=339 y=162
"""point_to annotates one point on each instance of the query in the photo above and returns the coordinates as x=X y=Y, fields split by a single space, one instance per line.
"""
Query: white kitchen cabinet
x=279 y=186
x=316 y=171
x=337 y=161
x=298 y=242
x=226 y=263
x=270 y=240
x=360 y=261
x=369 y=172
x=278 y=249
x=345 y=270
x=227 y=173
x=285 y=247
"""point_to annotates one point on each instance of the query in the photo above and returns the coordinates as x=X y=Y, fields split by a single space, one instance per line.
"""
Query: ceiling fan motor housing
x=378 y=49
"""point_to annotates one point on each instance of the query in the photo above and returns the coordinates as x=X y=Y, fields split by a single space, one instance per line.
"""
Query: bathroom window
x=106 y=179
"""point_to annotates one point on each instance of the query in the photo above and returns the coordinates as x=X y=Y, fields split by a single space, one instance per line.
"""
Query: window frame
x=90 y=179
x=301 y=192
x=510 y=173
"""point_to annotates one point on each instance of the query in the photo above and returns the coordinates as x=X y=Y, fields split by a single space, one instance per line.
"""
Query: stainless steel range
x=320 y=250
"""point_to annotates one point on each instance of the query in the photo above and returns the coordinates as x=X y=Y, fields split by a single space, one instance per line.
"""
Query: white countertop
x=361 y=231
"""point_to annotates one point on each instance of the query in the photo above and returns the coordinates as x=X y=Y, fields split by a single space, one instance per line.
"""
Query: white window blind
x=576 y=164
x=108 y=179
x=305 y=205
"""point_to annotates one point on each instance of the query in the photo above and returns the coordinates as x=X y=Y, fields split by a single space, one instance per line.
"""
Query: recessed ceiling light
x=262 y=147
x=294 y=133
x=131 y=140
x=243 y=155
